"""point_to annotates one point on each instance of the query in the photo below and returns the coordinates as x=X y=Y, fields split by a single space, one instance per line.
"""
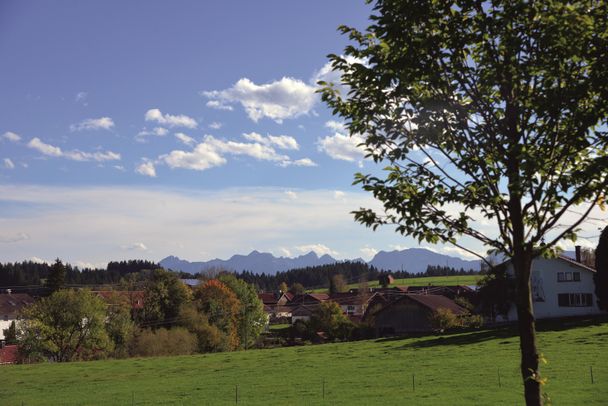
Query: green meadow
x=423 y=281
x=470 y=368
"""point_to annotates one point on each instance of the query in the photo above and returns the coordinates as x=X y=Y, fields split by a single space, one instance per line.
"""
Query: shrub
x=444 y=319
x=177 y=341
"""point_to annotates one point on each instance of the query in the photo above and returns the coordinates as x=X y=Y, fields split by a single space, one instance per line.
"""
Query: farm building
x=10 y=305
x=9 y=354
x=561 y=287
x=412 y=314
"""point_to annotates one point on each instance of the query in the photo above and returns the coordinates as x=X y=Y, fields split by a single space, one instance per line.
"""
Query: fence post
x=414 y=382
x=591 y=371
x=132 y=398
x=236 y=393
x=323 y=388
x=499 y=384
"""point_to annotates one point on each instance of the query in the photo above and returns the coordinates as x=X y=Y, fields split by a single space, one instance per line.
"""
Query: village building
x=10 y=306
x=412 y=313
x=561 y=287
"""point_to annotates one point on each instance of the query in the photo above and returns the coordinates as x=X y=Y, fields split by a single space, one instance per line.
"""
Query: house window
x=574 y=299
x=350 y=309
x=568 y=276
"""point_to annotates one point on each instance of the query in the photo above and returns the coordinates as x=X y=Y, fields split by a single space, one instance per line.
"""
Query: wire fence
x=422 y=386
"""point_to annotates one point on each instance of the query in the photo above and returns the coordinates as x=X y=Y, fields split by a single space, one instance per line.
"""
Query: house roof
x=348 y=298
x=9 y=354
x=576 y=263
x=11 y=303
x=268 y=298
x=431 y=302
x=435 y=302
x=304 y=310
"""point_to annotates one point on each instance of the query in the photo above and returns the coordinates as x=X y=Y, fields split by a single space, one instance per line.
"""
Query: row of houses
x=561 y=287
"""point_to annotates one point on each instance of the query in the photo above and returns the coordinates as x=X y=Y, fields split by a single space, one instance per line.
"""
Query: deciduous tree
x=492 y=111
x=601 y=266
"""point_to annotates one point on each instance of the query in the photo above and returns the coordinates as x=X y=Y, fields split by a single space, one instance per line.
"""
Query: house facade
x=10 y=305
x=561 y=287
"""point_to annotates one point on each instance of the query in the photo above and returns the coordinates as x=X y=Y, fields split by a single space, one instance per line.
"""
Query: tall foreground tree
x=485 y=111
x=601 y=266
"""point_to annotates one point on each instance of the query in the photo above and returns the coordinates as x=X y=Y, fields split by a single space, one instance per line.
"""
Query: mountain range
x=414 y=260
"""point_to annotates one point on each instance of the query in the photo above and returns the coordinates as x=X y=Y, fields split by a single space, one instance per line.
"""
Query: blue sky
x=189 y=128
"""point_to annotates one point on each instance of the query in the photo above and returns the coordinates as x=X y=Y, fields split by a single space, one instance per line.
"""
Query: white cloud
x=342 y=147
x=39 y=260
x=319 y=249
x=451 y=250
x=214 y=104
x=119 y=168
x=298 y=162
x=336 y=126
x=291 y=194
x=170 y=120
x=75 y=155
x=278 y=100
x=147 y=169
x=8 y=164
x=204 y=156
x=279 y=141
x=215 y=125
x=137 y=246
x=156 y=131
x=11 y=238
x=185 y=138
x=81 y=97
x=368 y=252
x=102 y=123
x=338 y=194
x=11 y=136
x=328 y=75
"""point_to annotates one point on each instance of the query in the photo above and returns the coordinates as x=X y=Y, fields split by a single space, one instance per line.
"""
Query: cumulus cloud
x=8 y=164
x=215 y=125
x=278 y=100
x=298 y=162
x=368 y=252
x=11 y=238
x=319 y=249
x=279 y=141
x=170 y=120
x=11 y=136
x=204 y=156
x=156 y=131
x=185 y=138
x=102 y=123
x=74 y=155
x=338 y=194
x=147 y=169
x=342 y=147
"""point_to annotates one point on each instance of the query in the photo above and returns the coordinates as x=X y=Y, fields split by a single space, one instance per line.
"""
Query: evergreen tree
x=56 y=278
x=601 y=266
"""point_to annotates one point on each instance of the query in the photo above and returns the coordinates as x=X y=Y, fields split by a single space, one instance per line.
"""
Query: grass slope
x=457 y=369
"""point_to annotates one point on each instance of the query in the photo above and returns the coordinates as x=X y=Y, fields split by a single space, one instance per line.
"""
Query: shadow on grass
x=502 y=332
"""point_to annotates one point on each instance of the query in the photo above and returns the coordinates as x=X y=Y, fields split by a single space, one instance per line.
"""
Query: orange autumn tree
x=221 y=306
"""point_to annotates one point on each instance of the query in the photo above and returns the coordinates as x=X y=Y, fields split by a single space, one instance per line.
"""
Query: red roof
x=11 y=303
x=9 y=354
x=268 y=298
x=348 y=298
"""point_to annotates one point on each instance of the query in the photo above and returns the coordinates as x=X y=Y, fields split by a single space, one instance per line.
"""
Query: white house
x=10 y=305
x=561 y=287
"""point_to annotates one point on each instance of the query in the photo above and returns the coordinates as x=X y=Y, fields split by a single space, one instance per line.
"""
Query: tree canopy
x=484 y=112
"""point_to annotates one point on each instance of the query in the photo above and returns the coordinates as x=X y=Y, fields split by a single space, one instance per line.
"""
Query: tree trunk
x=527 y=330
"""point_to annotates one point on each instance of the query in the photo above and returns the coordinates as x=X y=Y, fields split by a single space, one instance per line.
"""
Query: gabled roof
x=576 y=263
x=11 y=303
x=431 y=302
x=268 y=298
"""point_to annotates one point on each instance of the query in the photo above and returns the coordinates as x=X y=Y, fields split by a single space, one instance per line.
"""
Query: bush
x=472 y=321
x=177 y=341
x=444 y=319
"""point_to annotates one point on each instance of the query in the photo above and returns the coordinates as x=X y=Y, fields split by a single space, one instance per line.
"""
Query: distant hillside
x=413 y=260
x=416 y=260
x=256 y=262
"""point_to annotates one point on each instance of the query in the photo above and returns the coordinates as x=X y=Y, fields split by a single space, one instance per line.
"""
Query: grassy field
x=423 y=281
x=457 y=369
